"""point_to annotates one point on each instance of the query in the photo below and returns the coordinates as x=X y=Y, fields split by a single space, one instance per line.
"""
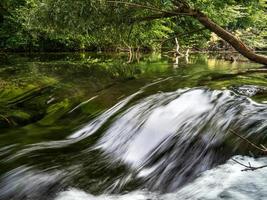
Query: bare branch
x=163 y=13
x=261 y=147
x=249 y=167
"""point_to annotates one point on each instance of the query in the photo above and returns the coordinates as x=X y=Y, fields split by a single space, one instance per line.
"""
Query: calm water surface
x=93 y=126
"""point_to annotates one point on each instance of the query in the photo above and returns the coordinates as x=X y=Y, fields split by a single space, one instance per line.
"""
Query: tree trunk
x=182 y=8
x=230 y=38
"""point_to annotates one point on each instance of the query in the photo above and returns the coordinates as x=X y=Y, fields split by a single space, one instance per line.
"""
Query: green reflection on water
x=48 y=96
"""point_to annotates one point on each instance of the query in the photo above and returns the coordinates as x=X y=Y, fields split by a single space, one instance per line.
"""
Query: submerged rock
x=249 y=90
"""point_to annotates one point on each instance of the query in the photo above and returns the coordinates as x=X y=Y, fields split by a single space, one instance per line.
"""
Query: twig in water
x=262 y=148
x=249 y=167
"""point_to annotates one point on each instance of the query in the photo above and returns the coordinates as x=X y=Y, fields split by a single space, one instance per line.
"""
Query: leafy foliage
x=94 y=24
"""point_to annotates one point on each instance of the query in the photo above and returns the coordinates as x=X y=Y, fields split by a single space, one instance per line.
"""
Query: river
x=84 y=126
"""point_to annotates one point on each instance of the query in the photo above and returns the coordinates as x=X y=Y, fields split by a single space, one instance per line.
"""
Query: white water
x=226 y=181
x=167 y=140
x=129 y=135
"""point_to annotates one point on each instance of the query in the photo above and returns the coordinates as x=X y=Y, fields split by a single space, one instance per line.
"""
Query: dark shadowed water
x=93 y=126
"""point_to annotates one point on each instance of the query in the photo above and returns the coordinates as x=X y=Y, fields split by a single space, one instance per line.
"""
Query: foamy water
x=226 y=181
x=173 y=145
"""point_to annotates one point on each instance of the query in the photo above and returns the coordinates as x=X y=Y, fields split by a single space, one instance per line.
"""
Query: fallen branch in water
x=249 y=167
x=261 y=148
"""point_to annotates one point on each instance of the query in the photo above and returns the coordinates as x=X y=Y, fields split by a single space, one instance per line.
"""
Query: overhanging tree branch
x=141 y=6
x=236 y=43
x=183 y=8
x=158 y=16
